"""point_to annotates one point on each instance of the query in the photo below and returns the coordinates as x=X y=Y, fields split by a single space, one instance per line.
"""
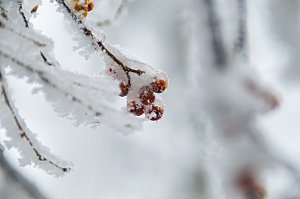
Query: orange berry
x=90 y=6
x=124 y=89
x=135 y=108
x=154 y=113
x=34 y=9
x=78 y=7
x=146 y=95
x=159 y=86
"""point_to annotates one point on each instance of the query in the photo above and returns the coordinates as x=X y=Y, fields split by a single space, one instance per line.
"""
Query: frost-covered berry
x=146 y=95
x=154 y=113
x=159 y=86
x=135 y=108
x=124 y=89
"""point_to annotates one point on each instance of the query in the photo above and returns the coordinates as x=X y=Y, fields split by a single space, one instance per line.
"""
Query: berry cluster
x=142 y=99
x=83 y=7
x=145 y=101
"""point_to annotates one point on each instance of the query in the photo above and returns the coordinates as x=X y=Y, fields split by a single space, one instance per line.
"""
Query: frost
x=83 y=99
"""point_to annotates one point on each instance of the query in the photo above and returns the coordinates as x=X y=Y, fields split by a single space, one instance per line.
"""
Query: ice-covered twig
x=26 y=22
x=23 y=130
x=97 y=42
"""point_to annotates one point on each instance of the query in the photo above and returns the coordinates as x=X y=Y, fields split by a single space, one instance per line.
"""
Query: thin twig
x=45 y=59
x=220 y=57
x=20 y=2
x=23 y=134
x=27 y=26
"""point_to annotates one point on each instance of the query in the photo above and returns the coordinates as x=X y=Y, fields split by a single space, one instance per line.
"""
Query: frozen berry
x=135 y=108
x=154 y=113
x=90 y=6
x=159 y=86
x=146 y=95
x=124 y=89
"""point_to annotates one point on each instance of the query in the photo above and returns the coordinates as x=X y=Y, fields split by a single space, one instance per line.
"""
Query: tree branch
x=23 y=134
x=99 y=44
x=43 y=77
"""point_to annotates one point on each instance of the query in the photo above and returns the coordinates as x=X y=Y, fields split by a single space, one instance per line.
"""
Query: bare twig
x=23 y=134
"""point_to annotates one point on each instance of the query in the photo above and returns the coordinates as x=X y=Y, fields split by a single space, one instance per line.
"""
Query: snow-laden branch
x=24 y=140
x=140 y=82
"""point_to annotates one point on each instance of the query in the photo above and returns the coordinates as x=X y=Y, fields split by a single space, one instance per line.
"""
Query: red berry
x=154 y=113
x=146 y=95
x=158 y=86
x=90 y=6
x=110 y=70
x=124 y=89
x=135 y=108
